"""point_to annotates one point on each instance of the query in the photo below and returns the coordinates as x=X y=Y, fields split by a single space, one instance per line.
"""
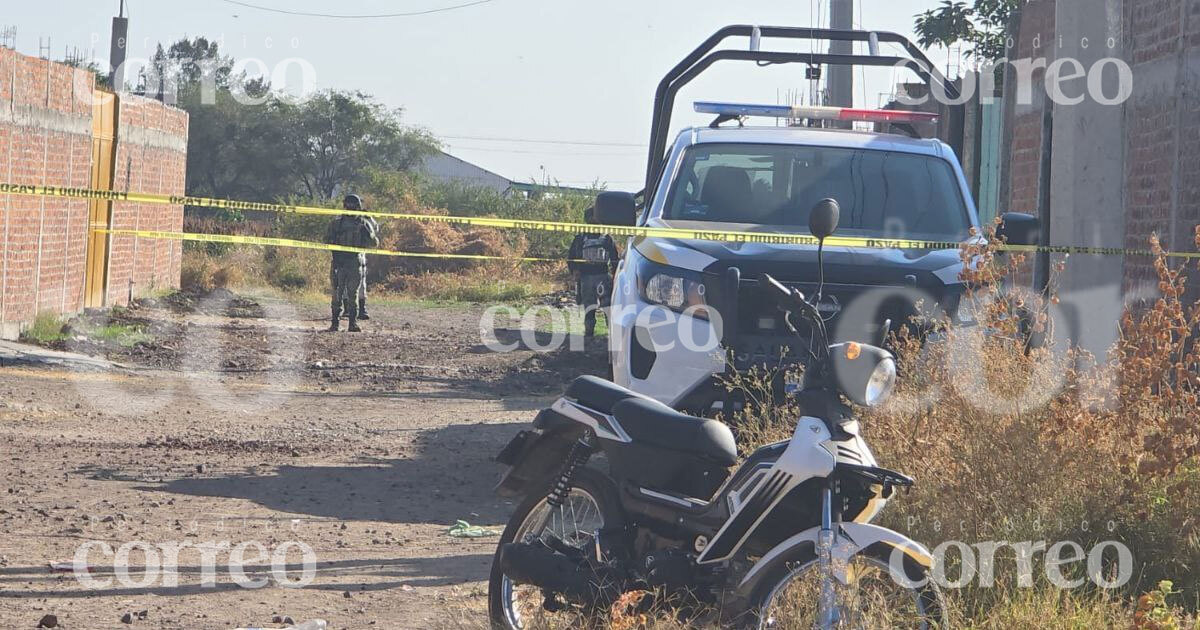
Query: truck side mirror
x=823 y=220
x=1018 y=228
x=616 y=208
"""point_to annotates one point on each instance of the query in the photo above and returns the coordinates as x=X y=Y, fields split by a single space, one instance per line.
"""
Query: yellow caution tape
x=287 y=242
x=551 y=226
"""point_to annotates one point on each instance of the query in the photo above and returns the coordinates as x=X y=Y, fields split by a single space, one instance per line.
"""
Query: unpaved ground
x=257 y=428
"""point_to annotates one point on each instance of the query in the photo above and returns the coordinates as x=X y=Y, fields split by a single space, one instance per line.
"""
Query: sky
x=557 y=90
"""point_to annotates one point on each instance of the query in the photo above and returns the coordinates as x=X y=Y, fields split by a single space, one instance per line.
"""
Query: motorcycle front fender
x=852 y=539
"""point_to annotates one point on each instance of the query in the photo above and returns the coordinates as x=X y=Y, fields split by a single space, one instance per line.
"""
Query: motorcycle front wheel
x=873 y=598
x=592 y=505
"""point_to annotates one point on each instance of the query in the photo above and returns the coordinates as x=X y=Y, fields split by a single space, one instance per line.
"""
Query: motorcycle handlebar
x=793 y=301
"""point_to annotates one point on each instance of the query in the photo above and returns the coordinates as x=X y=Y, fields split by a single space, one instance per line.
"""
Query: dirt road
x=243 y=428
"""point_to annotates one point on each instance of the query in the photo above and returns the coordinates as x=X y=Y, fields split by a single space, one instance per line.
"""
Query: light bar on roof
x=814 y=113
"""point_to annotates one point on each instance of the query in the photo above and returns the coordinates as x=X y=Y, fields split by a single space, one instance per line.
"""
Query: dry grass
x=1010 y=443
x=306 y=272
x=491 y=284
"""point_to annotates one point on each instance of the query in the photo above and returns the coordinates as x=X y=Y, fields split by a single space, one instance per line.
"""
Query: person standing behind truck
x=345 y=269
x=592 y=259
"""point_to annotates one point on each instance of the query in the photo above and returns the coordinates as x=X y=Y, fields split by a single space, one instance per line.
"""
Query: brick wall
x=151 y=157
x=46 y=138
x=1025 y=120
x=1161 y=129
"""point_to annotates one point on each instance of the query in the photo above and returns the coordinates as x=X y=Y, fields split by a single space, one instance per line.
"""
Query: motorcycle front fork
x=828 y=614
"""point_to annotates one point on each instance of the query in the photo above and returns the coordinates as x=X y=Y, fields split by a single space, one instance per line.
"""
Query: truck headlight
x=865 y=373
x=674 y=288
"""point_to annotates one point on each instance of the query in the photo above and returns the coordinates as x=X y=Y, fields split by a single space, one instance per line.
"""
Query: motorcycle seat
x=597 y=393
x=653 y=423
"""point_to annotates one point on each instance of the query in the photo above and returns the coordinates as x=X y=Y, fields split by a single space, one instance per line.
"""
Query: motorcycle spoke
x=871 y=601
x=572 y=524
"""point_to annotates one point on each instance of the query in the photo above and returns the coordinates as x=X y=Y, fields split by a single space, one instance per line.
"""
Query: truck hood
x=931 y=269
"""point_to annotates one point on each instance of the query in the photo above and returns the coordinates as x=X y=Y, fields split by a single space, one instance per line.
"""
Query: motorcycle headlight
x=865 y=373
x=676 y=289
x=881 y=383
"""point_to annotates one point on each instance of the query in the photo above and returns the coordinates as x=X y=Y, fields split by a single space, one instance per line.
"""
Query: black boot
x=589 y=323
x=336 y=314
x=352 y=315
x=362 y=309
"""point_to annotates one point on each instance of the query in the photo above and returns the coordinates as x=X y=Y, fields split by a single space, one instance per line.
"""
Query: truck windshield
x=883 y=194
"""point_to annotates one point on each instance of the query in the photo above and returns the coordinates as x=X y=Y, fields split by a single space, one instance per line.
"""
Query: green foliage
x=234 y=148
x=335 y=137
x=249 y=142
x=123 y=335
x=92 y=67
x=466 y=200
x=1154 y=612
x=981 y=25
x=47 y=328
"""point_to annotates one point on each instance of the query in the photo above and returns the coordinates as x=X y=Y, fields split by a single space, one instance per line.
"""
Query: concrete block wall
x=46 y=138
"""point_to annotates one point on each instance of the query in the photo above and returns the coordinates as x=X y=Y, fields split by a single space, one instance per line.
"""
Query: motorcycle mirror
x=823 y=220
x=884 y=330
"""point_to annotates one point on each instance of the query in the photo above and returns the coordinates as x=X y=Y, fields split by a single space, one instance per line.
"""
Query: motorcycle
x=784 y=541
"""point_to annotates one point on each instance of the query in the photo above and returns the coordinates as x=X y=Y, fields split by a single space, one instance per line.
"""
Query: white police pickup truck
x=685 y=311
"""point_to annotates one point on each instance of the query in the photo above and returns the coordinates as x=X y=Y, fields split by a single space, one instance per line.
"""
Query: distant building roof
x=529 y=187
x=445 y=167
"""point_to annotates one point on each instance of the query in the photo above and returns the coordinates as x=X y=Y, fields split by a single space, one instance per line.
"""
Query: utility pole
x=841 y=78
x=118 y=49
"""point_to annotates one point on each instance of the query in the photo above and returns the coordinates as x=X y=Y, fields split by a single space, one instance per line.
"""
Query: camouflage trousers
x=345 y=280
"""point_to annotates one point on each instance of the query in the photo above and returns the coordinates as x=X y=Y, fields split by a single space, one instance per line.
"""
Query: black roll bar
x=700 y=59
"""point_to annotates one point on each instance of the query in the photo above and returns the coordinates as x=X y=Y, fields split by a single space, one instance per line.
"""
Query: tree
x=247 y=142
x=336 y=137
x=238 y=150
x=982 y=25
x=189 y=64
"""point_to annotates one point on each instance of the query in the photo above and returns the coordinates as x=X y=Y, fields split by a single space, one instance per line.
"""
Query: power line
x=459 y=147
x=575 y=142
x=356 y=17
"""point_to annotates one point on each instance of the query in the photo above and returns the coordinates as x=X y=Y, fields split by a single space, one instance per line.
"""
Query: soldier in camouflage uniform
x=592 y=259
x=345 y=270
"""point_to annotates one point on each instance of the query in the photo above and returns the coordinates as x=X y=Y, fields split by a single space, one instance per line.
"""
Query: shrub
x=47 y=328
x=1107 y=450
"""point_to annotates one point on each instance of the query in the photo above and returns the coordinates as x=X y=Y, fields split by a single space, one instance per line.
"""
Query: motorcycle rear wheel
x=592 y=505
